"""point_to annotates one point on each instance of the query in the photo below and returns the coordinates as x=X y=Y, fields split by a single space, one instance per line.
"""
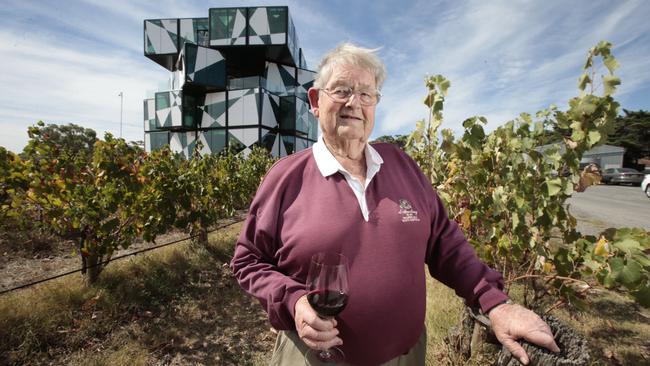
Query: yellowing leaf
x=602 y=247
x=504 y=242
x=466 y=219
x=548 y=267
x=452 y=168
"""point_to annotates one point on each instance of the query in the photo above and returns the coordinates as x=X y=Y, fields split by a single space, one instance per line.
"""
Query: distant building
x=238 y=78
x=605 y=156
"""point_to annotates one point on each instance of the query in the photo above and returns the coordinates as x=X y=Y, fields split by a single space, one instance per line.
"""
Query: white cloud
x=504 y=58
x=67 y=61
x=57 y=84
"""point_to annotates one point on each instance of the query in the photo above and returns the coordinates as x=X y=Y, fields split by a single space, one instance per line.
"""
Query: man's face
x=350 y=120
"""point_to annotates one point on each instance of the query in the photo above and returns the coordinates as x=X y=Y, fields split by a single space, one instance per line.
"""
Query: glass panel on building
x=260 y=99
x=216 y=140
x=158 y=139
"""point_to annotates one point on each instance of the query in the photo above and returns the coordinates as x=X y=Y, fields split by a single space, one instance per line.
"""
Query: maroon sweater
x=298 y=212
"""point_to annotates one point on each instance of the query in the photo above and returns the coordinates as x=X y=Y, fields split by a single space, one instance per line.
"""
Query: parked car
x=622 y=175
x=645 y=185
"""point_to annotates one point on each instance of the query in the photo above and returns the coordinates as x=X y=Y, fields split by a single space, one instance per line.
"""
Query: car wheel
x=647 y=190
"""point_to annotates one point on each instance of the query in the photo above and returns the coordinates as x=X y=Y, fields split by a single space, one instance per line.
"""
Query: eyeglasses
x=343 y=94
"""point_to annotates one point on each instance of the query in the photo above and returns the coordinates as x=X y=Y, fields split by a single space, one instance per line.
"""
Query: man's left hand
x=511 y=322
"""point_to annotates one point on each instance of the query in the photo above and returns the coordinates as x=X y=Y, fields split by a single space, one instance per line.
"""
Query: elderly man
x=372 y=204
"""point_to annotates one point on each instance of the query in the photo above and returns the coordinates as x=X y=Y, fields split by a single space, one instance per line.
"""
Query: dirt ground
x=33 y=263
x=212 y=323
x=228 y=327
x=23 y=261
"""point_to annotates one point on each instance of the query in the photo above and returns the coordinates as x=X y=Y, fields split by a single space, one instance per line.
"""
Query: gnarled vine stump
x=574 y=350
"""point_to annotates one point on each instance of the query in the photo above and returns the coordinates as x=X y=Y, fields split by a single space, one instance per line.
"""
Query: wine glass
x=327 y=293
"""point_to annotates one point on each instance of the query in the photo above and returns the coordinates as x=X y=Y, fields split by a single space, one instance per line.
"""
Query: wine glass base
x=329 y=357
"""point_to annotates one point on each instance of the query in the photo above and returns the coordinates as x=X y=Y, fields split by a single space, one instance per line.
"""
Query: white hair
x=348 y=54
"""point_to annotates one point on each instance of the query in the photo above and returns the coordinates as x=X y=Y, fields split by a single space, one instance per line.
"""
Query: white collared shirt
x=328 y=165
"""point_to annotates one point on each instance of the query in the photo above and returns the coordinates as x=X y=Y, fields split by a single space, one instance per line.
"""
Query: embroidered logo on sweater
x=407 y=211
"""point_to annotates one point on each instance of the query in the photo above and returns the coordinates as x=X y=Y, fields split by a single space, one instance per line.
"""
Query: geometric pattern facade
x=243 y=107
x=213 y=141
x=161 y=36
x=204 y=66
x=213 y=110
x=228 y=26
x=149 y=115
x=194 y=31
x=267 y=25
x=168 y=109
x=155 y=140
x=304 y=81
x=259 y=98
x=280 y=79
x=182 y=142
x=292 y=42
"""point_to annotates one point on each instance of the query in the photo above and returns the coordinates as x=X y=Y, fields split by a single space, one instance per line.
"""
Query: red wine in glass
x=327 y=286
x=327 y=303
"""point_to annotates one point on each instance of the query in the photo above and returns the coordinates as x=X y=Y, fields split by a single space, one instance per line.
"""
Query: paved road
x=603 y=206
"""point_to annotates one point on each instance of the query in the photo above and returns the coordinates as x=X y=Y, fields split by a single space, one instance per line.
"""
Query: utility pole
x=121 y=95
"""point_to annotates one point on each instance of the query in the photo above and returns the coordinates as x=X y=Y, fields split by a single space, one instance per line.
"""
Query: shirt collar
x=328 y=165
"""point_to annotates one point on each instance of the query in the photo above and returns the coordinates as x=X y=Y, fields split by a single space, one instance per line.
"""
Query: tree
x=632 y=131
x=66 y=141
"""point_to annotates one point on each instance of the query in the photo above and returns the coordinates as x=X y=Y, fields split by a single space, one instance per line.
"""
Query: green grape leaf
x=642 y=258
x=627 y=245
x=593 y=137
x=577 y=135
x=553 y=186
x=583 y=81
x=630 y=273
x=610 y=83
x=610 y=63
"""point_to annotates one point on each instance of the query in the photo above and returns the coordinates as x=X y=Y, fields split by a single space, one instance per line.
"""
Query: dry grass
x=443 y=311
x=177 y=305
x=617 y=330
x=180 y=305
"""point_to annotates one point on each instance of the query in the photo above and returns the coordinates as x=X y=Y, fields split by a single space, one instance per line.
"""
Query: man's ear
x=312 y=93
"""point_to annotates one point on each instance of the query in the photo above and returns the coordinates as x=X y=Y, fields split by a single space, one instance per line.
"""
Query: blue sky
x=67 y=61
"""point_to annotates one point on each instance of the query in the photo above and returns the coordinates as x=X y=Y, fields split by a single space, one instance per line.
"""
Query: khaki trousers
x=290 y=351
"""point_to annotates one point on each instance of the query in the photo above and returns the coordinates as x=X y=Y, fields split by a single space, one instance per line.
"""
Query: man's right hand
x=317 y=333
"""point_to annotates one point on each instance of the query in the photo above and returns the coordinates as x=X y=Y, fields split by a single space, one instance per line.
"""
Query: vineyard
x=509 y=197
x=103 y=195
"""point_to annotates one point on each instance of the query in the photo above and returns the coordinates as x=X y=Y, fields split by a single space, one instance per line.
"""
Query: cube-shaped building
x=237 y=78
